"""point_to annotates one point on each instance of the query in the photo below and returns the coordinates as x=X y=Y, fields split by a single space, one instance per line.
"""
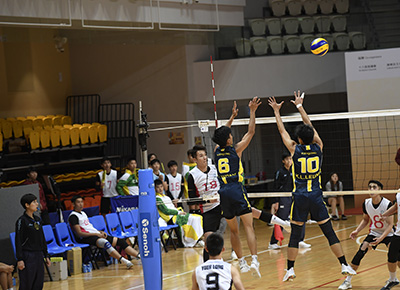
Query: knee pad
x=266 y=216
x=393 y=256
x=122 y=243
x=295 y=236
x=104 y=244
x=358 y=256
x=329 y=233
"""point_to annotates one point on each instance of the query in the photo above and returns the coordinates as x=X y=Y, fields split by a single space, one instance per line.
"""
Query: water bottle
x=90 y=267
x=118 y=230
x=84 y=268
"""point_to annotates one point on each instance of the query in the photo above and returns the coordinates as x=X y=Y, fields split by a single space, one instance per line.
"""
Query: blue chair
x=128 y=224
x=98 y=223
x=114 y=227
x=169 y=229
x=12 y=238
x=52 y=247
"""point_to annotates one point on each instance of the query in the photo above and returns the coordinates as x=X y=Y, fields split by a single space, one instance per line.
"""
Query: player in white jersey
x=106 y=181
x=379 y=231
x=215 y=273
x=176 y=184
x=394 y=248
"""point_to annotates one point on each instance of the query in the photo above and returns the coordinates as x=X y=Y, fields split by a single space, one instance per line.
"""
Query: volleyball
x=319 y=46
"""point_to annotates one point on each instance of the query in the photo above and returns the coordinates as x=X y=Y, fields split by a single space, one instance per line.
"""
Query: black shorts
x=105 y=205
x=394 y=249
x=234 y=201
x=370 y=239
x=308 y=202
x=212 y=219
x=92 y=240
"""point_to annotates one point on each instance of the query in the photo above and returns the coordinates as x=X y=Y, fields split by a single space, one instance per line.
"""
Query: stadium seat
x=114 y=227
x=21 y=118
x=243 y=47
x=31 y=117
x=11 y=119
x=7 y=129
x=57 y=121
x=17 y=128
x=310 y=6
x=63 y=236
x=307 y=24
x=291 y=25
x=278 y=7
x=293 y=43
x=65 y=136
x=40 y=116
x=102 y=133
x=84 y=134
x=34 y=139
x=98 y=223
x=93 y=134
x=260 y=45
x=274 y=26
x=74 y=135
x=342 y=41
x=55 y=137
x=329 y=38
x=323 y=23
x=52 y=247
x=339 y=23
x=294 y=7
x=258 y=26
x=306 y=40
x=326 y=6
x=37 y=122
x=67 y=126
x=1 y=142
x=47 y=123
x=276 y=44
x=128 y=224
x=77 y=125
x=27 y=123
x=66 y=120
x=45 y=139
x=357 y=39
x=342 y=6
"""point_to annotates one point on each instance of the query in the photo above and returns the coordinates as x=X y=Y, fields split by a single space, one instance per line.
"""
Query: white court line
x=265 y=251
x=359 y=242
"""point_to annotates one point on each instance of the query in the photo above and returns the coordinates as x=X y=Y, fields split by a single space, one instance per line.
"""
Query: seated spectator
x=85 y=233
x=190 y=225
x=157 y=174
x=128 y=184
x=150 y=157
x=176 y=186
x=334 y=184
x=6 y=276
x=32 y=175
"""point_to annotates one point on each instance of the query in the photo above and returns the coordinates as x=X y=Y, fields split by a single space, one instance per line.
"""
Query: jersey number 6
x=223 y=165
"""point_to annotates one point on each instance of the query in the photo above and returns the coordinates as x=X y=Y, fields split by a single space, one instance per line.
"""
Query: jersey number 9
x=212 y=280
x=223 y=165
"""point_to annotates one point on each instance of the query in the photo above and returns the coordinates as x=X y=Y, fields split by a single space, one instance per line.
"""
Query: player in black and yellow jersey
x=307 y=191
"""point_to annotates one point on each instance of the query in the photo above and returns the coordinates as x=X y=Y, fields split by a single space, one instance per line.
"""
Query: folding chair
x=113 y=225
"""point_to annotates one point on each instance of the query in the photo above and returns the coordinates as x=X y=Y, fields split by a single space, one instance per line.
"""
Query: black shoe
x=335 y=218
x=344 y=217
x=390 y=285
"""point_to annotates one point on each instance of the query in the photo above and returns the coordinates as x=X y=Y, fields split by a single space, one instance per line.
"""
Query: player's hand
x=102 y=184
x=274 y=105
x=102 y=234
x=48 y=262
x=175 y=202
x=21 y=265
x=353 y=235
x=161 y=177
x=235 y=110
x=382 y=218
x=298 y=99
x=10 y=268
x=375 y=242
x=254 y=103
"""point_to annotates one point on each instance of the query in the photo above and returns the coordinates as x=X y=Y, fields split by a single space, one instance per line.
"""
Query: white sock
x=242 y=260
x=278 y=221
x=348 y=278
x=254 y=257
x=392 y=276
x=125 y=261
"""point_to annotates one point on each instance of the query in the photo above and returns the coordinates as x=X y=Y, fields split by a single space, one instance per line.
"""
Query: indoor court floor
x=315 y=268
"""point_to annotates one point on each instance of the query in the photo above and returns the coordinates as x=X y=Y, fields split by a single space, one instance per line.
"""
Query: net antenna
x=213 y=88
x=143 y=134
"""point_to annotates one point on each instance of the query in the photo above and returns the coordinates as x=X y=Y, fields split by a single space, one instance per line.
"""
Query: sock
x=392 y=276
x=342 y=260
x=123 y=260
x=278 y=221
x=348 y=278
x=254 y=257
x=290 y=264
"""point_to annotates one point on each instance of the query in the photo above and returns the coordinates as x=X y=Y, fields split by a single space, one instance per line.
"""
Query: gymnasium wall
x=34 y=77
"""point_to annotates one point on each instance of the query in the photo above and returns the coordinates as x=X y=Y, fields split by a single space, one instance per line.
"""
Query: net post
x=149 y=234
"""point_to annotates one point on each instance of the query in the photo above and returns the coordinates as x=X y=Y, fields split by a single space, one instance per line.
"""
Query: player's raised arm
x=235 y=112
x=240 y=146
x=289 y=143
x=298 y=102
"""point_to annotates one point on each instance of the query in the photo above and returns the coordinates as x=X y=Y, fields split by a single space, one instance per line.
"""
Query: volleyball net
x=358 y=146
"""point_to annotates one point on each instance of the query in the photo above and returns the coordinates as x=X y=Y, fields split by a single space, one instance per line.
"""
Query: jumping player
x=307 y=191
x=215 y=273
x=379 y=232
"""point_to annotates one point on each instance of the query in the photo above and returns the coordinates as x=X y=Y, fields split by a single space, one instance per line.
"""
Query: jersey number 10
x=309 y=165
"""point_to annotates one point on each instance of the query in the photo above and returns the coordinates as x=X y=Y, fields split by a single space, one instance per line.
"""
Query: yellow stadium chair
x=21 y=118
x=66 y=120
x=96 y=124
x=37 y=122
x=27 y=123
x=34 y=139
x=86 y=124
x=31 y=117
x=74 y=131
x=102 y=133
x=6 y=127
x=93 y=134
x=57 y=121
x=64 y=136
x=58 y=127
x=27 y=131
x=17 y=128
x=50 y=116
x=84 y=134
x=11 y=119
x=77 y=125
x=67 y=126
x=1 y=122
x=55 y=137
x=1 y=142
x=47 y=123
x=40 y=116
x=45 y=139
